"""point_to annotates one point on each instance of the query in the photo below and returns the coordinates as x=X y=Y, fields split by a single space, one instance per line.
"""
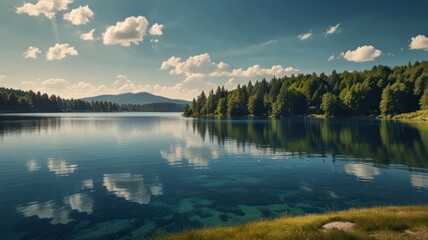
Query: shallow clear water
x=110 y=176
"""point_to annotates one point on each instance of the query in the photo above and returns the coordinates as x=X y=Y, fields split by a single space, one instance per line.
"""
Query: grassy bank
x=421 y=115
x=372 y=223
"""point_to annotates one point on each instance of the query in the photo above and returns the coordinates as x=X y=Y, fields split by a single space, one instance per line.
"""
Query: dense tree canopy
x=12 y=100
x=381 y=90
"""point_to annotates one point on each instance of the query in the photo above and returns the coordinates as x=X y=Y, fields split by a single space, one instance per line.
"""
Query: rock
x=339 y=225
x=418 y=233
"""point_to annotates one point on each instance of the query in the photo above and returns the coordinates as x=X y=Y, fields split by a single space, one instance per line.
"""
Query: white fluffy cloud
x=31 y=52
x=89 y=36
x=305 y=36
x=67 y=89
x=419 y=42
x=196 y=64
x=48 y=8
x=55 y=83
x=202 y=64
x=132 y=30
x=362 y=54
x=156 y=29
x=332 y=29
x=60 y=51
x=79 y=16
x=257 y=71
x=199 y=73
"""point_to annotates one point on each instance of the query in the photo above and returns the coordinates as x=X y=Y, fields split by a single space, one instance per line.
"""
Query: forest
x=381 y=91
x=12 y=100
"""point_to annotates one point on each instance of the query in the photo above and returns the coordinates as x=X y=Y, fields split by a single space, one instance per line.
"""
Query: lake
x=130 y=175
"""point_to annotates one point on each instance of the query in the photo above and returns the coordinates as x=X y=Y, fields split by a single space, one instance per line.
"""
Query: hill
x=135 y=98
x=15 y=100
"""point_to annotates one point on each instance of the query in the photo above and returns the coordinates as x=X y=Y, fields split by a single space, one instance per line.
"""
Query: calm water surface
x=111 y=176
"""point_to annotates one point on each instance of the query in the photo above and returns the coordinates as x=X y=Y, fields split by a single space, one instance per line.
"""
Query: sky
x=176 y=49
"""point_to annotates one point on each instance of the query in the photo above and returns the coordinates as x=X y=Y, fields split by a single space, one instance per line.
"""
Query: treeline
x=12 y=100
x=381 y=90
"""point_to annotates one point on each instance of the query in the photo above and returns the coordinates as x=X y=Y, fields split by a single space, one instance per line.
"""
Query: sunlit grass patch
x=372 y=223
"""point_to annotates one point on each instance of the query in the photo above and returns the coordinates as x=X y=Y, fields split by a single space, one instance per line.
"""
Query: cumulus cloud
x=419 y=42
x=202 y=64
x=305 y=36
x=199 y=72
x=258 y=71
x=31 y=52
x=332 y=29
x=54 y=83
x=195 y=64
x=79 y=16
x=156 y=29
x=48 y=8
x=122 y=84
x=132 y=30
x=89 y=36
x=362 y=54
x=60 y=51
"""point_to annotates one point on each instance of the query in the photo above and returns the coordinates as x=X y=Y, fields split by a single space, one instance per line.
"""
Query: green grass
x=421 y=115
x=371 y=223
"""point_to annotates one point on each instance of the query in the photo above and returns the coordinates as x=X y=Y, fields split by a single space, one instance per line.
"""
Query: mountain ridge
x=135 y=98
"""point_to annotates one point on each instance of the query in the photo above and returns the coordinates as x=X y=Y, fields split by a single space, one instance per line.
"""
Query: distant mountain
x=135 y=98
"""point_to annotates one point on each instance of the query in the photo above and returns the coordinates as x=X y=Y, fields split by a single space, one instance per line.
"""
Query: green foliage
x=331 y=104
x=187 y=112
x=12 y=100
x=392 y=103
x=221 y=109
x=256 y=105
x=423 y=102
x=381 y=90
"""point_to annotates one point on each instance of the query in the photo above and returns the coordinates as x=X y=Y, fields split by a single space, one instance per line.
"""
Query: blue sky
x=178 y=48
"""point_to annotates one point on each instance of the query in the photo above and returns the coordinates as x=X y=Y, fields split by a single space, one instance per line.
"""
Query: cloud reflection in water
x=61 y=167
x=128 y=186
x=362 y=171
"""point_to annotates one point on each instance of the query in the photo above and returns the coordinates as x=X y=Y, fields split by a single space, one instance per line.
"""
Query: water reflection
x=196 y=156
x=226 y=175
x=61 y=167
x=47 y=210
x=361 y=170
x=379 y=141
x=88 y=184
x=128 y=186
x=419 y=181
x=33 y=166
x=80 y=202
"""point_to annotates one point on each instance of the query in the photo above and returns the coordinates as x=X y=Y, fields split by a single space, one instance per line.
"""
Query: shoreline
x=418 y=116
x=392 y=222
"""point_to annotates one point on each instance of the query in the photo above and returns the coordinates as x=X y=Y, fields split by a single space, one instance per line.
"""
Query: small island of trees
x=380 y=91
